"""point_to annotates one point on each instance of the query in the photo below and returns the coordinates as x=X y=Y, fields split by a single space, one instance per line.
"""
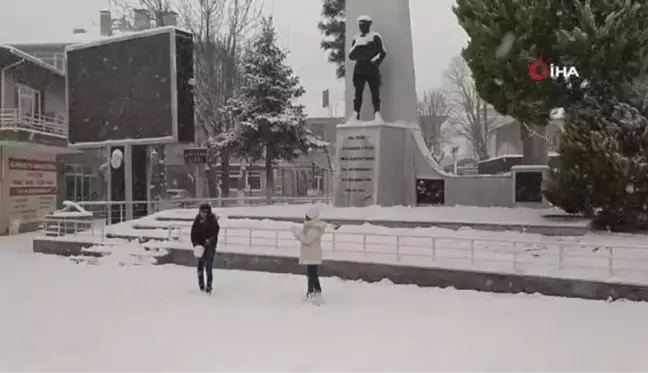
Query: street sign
x=195 y=155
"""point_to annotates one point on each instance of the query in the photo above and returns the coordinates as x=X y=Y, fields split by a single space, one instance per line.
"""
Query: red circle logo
x=538 y=70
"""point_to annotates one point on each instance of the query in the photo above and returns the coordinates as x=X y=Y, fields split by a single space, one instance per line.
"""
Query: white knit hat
x=364 y=18
x=313 y=212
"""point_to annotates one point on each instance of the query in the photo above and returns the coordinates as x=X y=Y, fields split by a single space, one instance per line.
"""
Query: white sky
x=437 y=37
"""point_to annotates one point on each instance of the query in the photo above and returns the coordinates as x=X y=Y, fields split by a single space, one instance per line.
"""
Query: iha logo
x=540 y=70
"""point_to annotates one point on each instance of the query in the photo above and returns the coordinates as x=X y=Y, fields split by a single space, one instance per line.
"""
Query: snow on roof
x=28 y=57
x=89 y=41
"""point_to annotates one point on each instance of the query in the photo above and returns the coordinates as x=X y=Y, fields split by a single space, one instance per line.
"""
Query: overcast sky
x=437 y=37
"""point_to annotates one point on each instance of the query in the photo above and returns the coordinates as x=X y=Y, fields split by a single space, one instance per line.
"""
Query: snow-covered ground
x=447 y=214
x=58 y=315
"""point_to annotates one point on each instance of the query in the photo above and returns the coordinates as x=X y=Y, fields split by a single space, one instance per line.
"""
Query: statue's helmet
x=364 y=19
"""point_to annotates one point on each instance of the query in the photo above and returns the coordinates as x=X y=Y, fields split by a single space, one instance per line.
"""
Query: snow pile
x=71 y=210
x=131 y=253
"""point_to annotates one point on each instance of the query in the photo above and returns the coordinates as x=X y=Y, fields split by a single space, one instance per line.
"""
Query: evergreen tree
x=604 y=162
x=599 y=164
x=608 y=42
x=505 y=37
x=605 y=41
x=333 y=26
x=270 y=126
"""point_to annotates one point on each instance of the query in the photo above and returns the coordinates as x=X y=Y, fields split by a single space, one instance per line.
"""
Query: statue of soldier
x=368 y=51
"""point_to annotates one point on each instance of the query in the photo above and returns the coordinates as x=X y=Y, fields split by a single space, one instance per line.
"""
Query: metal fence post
x=364 y=243
x=333 y=243
x=277 y=240
x=472 y=252
x=433 y=248
x=611 y=261
x=398 y=256
x=515 y=256
x=250 y=241
x=561 y=256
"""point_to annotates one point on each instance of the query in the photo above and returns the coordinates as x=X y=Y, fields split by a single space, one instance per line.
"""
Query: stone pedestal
x=376 y=161
x=375 y=165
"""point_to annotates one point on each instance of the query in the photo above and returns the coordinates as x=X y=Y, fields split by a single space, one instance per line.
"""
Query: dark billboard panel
x=185 y=87
x=132 y=88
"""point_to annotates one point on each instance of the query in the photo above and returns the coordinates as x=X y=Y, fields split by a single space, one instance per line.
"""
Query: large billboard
x=134 y=87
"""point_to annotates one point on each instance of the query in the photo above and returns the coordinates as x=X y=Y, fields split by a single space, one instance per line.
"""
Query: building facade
x=33 y=133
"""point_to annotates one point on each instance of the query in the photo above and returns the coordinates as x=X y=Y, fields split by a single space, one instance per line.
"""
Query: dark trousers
x=206 y=266
x=371 y=77
x=313 y=279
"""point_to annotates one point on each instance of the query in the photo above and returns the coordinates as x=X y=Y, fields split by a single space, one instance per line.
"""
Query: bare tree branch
x=470 y=116
x=435 y=106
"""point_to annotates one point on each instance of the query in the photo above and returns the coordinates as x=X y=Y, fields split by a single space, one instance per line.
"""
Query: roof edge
x=123 y=37
x=32 y=59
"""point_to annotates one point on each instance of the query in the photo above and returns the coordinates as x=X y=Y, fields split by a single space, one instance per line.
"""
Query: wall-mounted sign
x=195 y=155
x=32 y=187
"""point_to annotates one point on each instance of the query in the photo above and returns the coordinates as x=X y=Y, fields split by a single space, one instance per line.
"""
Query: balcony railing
x=48 y=125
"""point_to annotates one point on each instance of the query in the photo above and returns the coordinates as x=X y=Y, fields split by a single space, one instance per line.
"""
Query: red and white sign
x=32 y=187
x=540 y=70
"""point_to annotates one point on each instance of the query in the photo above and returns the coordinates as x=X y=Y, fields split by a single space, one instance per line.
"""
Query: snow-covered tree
x=270 y=126
x=220 y=28
x=604 y=162
x=505 y=37
x=333 y=26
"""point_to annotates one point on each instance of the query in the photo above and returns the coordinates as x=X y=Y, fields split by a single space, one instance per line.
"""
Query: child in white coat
x=310 y=254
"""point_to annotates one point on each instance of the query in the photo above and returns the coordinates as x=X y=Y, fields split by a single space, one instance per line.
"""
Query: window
x=80 y=185
x=70 y=194
x=85 y=189
x=29 y=100
x=254 y=181
x=233 y=180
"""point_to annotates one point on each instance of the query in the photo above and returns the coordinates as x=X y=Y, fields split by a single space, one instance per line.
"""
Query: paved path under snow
x=57 y=315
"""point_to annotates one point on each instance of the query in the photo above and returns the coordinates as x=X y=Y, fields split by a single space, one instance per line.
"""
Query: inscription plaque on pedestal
x=356 y=170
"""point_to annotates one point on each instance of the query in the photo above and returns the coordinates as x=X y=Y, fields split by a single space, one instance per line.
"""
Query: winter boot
x=201 y=282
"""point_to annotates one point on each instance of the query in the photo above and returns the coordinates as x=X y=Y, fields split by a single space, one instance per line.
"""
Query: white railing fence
x=14 y=119
x=116 y=211
x=533 y=257
x=58 y=227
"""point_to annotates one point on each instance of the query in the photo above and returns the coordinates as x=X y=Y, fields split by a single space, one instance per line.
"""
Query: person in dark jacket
x=204 y=232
